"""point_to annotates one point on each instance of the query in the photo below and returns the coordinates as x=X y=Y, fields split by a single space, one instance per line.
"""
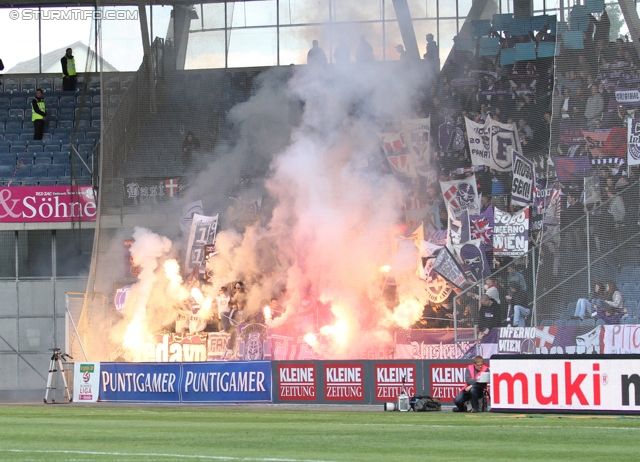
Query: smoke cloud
x=328 y=211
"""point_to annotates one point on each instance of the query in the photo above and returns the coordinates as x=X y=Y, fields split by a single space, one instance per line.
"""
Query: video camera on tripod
x=56 y=360
x=57 y=355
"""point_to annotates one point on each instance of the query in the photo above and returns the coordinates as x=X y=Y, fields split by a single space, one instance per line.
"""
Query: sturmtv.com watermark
x=73 y=14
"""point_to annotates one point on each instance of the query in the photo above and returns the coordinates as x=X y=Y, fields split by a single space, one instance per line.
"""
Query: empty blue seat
x=8 y=160
x=51 y=148
x=627 y=270
x=50 y=101
x=18 y=149
x=23 y=171
x=93 y=135
x=628 y=287
x=622 y=279
x=34 y=148
x=39 y=171
x=85 y=147
x=18 y=101
x=546 y=322
x=55 y=170
x=68 y=98
x=14 y=125
x=65 y=123
x=631 y=320
x=6 y=172
x=589 y=322
x=86 y=100
x=46 y=160
x=11 y=85
x=45 y=84
x=5 y=149
x=631 y=305
x=60 y=158
x=11 y=136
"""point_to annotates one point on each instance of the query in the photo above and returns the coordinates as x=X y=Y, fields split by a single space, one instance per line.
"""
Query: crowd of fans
x=553 y=101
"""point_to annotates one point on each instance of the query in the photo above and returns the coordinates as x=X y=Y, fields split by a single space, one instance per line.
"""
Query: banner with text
x=492 y=143
x=633 y=145
x=511 y=233
x=568 y=383
x=524 y=179
x=210 y=382
x=86 y=382
x=46 y=204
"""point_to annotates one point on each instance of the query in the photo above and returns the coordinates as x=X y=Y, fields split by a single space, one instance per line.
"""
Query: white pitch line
x=142 y=454
x=485 y=426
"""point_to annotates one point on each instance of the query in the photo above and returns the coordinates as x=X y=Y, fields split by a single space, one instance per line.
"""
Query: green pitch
x=278 y=434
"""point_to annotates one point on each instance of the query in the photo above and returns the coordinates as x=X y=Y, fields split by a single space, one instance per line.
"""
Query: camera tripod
x=56 y=361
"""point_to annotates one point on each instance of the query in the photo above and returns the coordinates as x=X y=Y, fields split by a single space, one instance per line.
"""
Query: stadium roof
x=85 y=3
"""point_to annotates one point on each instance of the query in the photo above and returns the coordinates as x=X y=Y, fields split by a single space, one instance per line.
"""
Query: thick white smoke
x=326 y=227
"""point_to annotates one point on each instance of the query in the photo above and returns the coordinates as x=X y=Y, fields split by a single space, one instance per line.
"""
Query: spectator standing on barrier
x=364 y=52
x=316 y=55
x=517 y=310
x=585 y=306
x=594 y=107
x=38 y=115
x=401 y=51
x=235 y=316
x=515 y=277
x=222 y=301
x=432 y=56
x=488 y=314
x=474 y=389
x=69 y=76
x=190 y=144
x=572 y=228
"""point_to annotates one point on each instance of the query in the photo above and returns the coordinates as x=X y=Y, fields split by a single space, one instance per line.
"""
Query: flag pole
x=584 y=180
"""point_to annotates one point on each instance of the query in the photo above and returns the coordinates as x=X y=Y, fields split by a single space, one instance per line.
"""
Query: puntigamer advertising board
x=233 y=381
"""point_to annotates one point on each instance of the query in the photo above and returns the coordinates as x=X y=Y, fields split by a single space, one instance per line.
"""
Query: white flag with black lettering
x=203 y=231
x=492 y=143
x=524 y=178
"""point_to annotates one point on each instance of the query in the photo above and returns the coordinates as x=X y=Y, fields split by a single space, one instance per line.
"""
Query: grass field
x=278 y=434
